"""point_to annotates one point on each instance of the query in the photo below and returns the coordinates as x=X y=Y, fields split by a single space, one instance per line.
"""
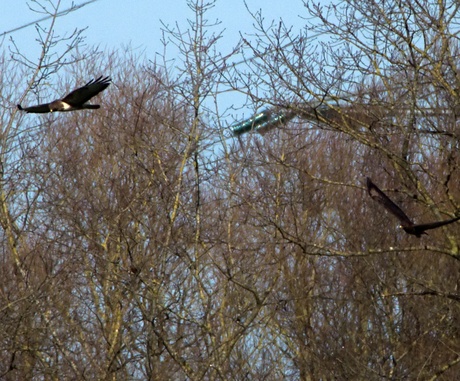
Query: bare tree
x=375 y=97
x=30 y=334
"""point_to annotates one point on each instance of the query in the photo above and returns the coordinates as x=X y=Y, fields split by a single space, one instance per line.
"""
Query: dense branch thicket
x=139 y=243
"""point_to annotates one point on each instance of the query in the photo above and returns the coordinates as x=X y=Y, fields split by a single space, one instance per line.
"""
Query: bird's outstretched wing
x=419 y=229
x=39 y=109
x=83 y=94
x=383 y=199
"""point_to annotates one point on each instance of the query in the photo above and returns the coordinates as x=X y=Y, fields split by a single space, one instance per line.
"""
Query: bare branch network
x=159 y=238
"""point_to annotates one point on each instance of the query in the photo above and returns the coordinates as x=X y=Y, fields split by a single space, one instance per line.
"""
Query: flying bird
x=406 y=223
x=76 y=100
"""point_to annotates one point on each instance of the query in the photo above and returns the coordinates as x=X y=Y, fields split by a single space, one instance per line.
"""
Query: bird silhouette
x=76 y=100
x=406 y=223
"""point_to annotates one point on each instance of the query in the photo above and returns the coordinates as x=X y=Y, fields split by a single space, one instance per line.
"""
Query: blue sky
x=116 y=23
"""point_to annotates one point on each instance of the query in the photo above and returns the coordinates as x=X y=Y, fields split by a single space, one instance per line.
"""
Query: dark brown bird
x=76 y=100
x=406 y=223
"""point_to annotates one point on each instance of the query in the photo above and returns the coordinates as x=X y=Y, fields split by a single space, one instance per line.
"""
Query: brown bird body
x=406 y=223
x=76 y=100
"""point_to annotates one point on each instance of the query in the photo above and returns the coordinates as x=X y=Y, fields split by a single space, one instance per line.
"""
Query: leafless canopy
x=145 y=242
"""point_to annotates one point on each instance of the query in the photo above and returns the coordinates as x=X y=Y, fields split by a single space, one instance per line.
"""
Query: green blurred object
x=263 y=121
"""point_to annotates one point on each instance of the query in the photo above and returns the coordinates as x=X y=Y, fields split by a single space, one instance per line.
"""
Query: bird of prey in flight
x=76 y=100
x=408 y=226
